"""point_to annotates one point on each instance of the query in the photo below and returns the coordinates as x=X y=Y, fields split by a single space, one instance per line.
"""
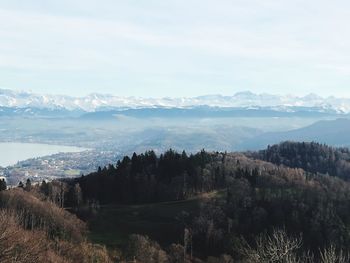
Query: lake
x=12 y=152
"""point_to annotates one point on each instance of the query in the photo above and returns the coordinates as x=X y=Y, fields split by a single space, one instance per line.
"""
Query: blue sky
x=156 y=48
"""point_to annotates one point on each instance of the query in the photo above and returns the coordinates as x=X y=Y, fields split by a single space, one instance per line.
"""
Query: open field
x=160 y=221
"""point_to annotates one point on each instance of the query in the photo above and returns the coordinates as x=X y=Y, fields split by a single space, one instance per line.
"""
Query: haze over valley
x=110 y=126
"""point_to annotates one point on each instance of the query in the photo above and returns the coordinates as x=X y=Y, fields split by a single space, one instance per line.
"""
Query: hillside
x=203 y=207
x=260 y=198
x=332 y=132
x=34 y=230
x=312 y=157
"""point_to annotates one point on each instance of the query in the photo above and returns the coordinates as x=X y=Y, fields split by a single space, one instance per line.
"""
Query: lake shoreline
x=13 y=152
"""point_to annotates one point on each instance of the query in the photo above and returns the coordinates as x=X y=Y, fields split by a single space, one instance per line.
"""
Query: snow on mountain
x=95 y=101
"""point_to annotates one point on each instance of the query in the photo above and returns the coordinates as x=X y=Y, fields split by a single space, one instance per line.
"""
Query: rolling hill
x=332 y=132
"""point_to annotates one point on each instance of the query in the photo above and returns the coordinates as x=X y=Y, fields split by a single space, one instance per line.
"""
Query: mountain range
x=106 y=102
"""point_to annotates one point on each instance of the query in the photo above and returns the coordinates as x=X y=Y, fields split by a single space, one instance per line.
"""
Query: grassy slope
x=114 y=224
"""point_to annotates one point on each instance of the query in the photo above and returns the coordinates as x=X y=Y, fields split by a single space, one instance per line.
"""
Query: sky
x=175 y=48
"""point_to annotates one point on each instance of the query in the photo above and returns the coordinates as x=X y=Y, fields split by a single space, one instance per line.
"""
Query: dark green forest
x=296 y=191
x=312 y=157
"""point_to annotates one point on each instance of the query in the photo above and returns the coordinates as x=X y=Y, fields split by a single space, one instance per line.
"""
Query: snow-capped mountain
x=96 y=102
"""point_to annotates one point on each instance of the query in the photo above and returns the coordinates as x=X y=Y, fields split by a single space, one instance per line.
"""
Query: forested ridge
x=301 y=188
x=148 y=178
x=310 y=156
x=288 y=203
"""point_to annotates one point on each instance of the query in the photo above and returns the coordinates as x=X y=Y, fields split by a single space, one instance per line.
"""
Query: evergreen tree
x=3 y=185
x=28 y=186
x=77 y=196
x=44 y=188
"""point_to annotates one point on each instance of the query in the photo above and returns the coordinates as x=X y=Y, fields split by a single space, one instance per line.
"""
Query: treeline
x=310 y=156
x=149 y=178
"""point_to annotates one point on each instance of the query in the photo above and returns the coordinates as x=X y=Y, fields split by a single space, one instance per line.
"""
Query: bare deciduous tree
x=277 y=247
x=332 y=255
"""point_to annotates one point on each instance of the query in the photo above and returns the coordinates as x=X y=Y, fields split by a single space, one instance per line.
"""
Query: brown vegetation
x=38 y=231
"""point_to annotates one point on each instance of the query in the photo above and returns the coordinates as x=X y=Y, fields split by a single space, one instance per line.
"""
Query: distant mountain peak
x=244 y=99
x=245 y=93
x=313 y=96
